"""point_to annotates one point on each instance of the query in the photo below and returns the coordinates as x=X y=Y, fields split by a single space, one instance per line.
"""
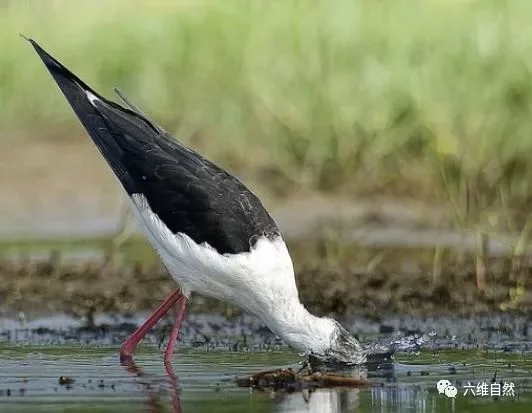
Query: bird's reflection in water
x=156 y=401
x=318 y=401
x=379 y=369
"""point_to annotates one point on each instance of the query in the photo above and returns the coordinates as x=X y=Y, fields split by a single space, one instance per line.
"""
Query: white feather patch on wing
x=92 y=97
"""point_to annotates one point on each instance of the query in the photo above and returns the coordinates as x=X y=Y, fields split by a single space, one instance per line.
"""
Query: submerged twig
x=290 y=380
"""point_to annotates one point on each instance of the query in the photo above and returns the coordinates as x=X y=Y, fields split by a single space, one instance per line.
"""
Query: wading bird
x=211 y=232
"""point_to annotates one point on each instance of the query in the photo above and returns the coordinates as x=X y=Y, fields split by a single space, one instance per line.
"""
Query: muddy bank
x=85 y=289
x=455 y=291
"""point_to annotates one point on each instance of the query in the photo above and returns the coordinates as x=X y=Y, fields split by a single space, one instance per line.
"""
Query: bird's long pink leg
x=181 y=309
x=127 y=348
x=174 y=384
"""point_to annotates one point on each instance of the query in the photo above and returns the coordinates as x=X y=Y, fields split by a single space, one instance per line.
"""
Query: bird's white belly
x=193 y=268
x=252 y=280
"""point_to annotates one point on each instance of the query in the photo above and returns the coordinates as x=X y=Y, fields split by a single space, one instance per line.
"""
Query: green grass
x=134 y=249
x=428 y=98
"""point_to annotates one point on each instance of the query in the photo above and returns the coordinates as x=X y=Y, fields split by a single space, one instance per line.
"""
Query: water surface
x=203 y=381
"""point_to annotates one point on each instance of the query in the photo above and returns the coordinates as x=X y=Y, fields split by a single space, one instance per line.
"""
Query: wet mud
x=341 y=291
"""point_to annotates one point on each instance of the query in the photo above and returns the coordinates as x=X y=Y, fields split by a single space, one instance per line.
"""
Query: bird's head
x=322 y=339
x=344 y=349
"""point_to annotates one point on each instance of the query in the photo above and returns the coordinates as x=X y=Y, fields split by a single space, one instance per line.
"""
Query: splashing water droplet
x=409 y=343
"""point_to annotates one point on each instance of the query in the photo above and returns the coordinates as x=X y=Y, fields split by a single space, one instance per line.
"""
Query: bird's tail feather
x=115 y=130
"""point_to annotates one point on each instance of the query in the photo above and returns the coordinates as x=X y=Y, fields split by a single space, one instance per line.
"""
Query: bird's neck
x=301 y=330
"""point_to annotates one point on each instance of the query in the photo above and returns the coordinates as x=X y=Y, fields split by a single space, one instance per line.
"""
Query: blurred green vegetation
x=422 y=98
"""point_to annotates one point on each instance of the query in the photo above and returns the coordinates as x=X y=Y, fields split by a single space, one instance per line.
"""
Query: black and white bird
x=211 y=232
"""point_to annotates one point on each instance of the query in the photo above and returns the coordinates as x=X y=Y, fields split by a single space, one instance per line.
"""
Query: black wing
x=189 y=194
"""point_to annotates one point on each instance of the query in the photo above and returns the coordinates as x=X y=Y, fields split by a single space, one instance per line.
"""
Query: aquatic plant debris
x=66 y=380
x=289 y=380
